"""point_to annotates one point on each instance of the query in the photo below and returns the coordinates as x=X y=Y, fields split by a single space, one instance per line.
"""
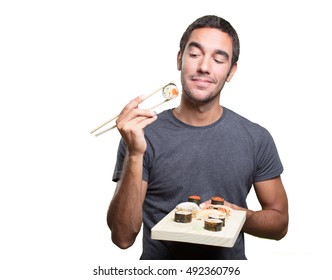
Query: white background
x=67 y=66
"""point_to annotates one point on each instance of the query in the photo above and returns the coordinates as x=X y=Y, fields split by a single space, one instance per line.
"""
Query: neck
x=198 y=114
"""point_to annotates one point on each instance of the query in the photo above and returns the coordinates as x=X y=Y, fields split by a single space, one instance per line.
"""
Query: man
x=197 y=148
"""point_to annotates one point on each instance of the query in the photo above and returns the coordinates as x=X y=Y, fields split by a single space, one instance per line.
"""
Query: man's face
x=206 y=64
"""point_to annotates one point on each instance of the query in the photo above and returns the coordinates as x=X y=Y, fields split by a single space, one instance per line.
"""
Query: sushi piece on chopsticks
x=169 y=91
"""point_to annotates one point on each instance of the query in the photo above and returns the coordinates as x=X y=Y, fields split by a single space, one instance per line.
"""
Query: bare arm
x=272 y=221
x=124 y=216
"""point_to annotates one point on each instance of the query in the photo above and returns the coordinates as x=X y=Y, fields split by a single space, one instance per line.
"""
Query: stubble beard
x=211 y=96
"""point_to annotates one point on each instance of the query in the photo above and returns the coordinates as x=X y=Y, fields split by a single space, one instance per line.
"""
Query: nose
x=204 y=65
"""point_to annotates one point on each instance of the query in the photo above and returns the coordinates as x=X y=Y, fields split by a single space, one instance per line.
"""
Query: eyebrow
x=199 y=46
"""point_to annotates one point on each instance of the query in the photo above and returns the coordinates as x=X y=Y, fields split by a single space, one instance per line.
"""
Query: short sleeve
x=119 y=161
x=268 y=163
x=117 y=173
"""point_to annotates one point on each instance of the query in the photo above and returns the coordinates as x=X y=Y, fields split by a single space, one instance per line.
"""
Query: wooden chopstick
x=144 y=97
x=114 y=126
x=103 y=124
x=105 y=130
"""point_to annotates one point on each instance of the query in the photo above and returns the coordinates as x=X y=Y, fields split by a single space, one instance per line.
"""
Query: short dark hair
x=216 y=22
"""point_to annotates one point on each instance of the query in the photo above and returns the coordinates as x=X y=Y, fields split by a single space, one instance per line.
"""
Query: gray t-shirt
x=224 y=159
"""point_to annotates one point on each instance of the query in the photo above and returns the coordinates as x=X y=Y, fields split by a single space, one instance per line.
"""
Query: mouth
x=202 y=83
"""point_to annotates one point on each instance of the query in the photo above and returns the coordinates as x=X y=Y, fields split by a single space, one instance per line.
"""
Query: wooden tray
x=194 y=232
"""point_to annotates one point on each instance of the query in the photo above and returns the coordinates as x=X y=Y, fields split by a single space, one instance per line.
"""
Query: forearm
x=267 y=223
x=124 y=216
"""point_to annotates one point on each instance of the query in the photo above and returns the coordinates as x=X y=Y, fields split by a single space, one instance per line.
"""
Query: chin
x=201 y=98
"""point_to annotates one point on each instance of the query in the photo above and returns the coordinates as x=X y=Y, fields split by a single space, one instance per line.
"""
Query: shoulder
x=237 y=121
x=165 y=120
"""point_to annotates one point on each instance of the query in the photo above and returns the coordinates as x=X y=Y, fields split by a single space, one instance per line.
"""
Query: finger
x=137 y=125
x=134 y=113
x=131 y=105
x=142 y=122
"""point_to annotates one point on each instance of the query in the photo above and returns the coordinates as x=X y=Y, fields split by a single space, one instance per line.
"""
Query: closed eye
x=220 y=58
x=194 y=55
x=219 y=61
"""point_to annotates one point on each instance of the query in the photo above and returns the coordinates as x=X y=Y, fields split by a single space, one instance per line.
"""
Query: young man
x=198 y=148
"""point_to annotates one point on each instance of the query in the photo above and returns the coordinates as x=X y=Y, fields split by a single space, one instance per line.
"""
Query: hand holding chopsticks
x=169 y=91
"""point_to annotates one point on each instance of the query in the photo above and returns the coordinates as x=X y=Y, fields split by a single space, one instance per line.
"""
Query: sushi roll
x=221 y=217
x=217 y=200
x=194 y=198
x=213 y=224
x=188 y=206
x=170 y=91
x=225 y=210
x=204 y=214
x=183 y=216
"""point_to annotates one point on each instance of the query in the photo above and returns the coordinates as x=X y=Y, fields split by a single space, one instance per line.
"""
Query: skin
x=205 y=67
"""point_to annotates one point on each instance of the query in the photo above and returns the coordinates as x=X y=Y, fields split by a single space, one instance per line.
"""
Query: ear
x=179 y=60
x=231 y=72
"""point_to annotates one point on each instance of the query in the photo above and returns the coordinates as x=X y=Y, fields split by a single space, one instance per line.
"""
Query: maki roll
x=194 y=198
x=170 y=91
x=221 y=217
x=217 y=200
x=183 y=216
x=188 y=206
x=213 y=224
